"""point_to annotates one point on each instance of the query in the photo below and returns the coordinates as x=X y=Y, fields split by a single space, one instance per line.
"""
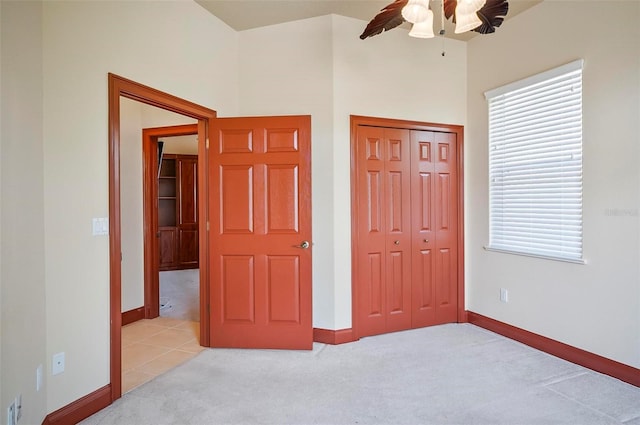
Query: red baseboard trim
x=327 y=336
x=132 y=315
x=575 y=355
x=80 y=409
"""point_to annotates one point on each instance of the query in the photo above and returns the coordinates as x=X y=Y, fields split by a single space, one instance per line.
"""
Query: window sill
x=543 y=257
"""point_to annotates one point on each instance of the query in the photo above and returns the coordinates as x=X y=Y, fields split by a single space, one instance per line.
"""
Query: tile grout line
x=180 y=325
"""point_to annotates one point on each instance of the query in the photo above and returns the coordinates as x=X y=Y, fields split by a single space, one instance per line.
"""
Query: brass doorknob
x=425 y=240
x=396 y=242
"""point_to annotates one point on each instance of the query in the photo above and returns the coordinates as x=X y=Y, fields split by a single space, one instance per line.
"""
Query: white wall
x=22 y=265
x=320 y=67
x=595 y=306
x=134 y=116
x=149 y=42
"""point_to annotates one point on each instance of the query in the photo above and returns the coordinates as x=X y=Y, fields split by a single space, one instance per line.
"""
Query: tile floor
x=152 y=347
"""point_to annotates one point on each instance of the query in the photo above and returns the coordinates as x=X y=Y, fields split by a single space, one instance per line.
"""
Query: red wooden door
x=384 y=230
x=260 y=209
x=435 y=223
x=187 y=211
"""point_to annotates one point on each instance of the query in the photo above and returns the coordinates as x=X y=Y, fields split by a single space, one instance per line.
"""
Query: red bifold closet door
x=260 y=232
x=407 y=229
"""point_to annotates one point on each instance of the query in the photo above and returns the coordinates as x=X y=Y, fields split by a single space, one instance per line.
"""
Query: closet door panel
x=446 y=222
x=371 y=257
x=423 y=232
x=398 y=230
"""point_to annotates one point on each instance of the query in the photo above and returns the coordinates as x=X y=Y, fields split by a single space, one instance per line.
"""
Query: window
x=535 y=165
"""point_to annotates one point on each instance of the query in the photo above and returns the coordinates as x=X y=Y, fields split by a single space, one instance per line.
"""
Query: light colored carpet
x=449 y=374
x=180 y=294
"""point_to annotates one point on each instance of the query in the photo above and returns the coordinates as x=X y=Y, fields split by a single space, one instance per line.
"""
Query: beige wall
x=317 y=67
x=595 y=306
x=131 y=200
x=134 y=117
x=294 y=78
x=2 y=400
x=320 y=67
x=184 y=145
x=83 y=41
x=22 y=264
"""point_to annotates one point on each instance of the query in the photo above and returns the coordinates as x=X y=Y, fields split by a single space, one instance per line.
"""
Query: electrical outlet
x=11 y=414
x=504 y=295
x=57 y=365
x=18 y=404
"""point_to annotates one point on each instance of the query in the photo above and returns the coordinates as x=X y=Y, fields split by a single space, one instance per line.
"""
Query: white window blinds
x=535 y=165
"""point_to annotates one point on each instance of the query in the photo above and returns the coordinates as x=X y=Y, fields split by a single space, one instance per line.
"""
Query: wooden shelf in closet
x=178 y=212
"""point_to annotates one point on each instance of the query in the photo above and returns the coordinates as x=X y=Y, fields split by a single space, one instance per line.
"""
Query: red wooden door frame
x=357 y=120
x=122 y=87
x=150 y=208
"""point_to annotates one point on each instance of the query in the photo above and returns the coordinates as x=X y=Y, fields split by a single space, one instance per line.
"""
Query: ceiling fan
x=481 y=16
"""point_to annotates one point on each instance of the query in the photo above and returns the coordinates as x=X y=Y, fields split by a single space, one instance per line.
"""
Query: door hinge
x=207 y=143
x=207 y=226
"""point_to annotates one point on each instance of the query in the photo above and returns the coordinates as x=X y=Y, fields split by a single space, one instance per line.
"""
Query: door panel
x=282 y=212
x=236 y=186
x=424 y=203
x=238 y=288
x=372 y=298
x=188 y=178
x=187 y=214
x=284 y=289
x=423 y=288
x=446 y=219
x=167 y=245
x=188 y=253
x=261 y=213
x=398 y=229
x=384 y=223
x=435 y=223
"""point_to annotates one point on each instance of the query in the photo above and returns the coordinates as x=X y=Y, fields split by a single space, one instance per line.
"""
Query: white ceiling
x=247 y=14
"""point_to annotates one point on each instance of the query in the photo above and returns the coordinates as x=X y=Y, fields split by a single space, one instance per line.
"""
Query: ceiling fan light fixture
x=423 y=29
x=466 y=18
x=416 y=11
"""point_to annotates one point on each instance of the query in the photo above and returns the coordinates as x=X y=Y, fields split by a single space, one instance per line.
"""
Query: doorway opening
x=121 y=87
x=171 y=221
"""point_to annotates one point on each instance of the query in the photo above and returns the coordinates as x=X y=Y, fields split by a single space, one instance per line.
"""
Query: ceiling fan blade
x=492 y=15
x=388 y=18
x=450 y=9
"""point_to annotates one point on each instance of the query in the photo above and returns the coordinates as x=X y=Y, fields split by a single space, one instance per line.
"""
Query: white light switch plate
x=100 y=226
